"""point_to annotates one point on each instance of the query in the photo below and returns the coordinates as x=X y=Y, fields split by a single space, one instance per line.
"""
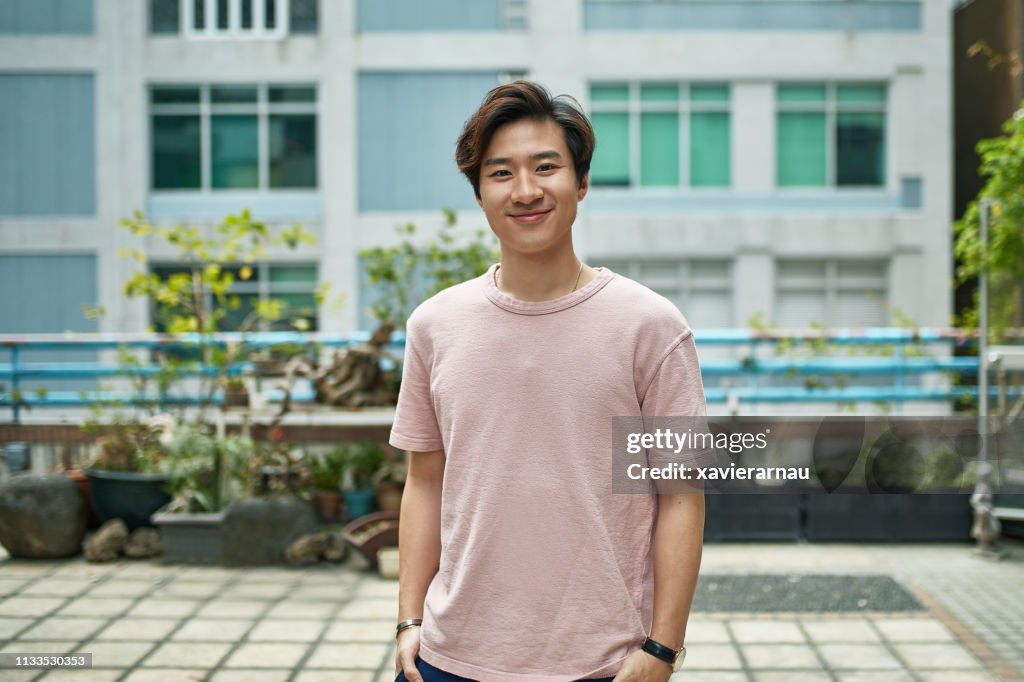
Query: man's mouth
x=530 y=216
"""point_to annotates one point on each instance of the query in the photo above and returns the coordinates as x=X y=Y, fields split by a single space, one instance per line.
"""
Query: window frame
x=234 y=31
x=684 y=107
x=263 y=109
x=832 y=282
x=831 y=107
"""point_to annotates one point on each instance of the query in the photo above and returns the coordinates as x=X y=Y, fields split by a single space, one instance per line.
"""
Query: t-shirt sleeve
x=415 y=427
x=675 y=401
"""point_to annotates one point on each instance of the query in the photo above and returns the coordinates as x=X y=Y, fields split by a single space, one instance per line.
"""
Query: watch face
x=680 y=657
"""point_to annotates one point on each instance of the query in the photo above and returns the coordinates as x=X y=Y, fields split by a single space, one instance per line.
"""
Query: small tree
x=413 y=271
x=1002 y=161
x=198 y=299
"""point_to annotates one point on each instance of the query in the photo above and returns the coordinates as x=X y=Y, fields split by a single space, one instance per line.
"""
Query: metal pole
x=986 y=527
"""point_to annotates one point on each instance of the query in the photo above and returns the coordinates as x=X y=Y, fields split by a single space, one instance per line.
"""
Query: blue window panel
x=41 y=17
x=912 y=192
x=827 y=15
x=408 y=125
x=51 y=293
x=47 y=131
x=436 y=15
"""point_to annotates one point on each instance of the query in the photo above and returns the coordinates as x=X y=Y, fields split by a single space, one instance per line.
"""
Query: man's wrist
x=408 y=623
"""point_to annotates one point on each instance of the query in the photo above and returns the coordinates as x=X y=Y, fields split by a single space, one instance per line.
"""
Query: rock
x=306 y=550
x=143 y=543
x=107 y=543
x=336 y=549
x=258 y=530
x=42 y=516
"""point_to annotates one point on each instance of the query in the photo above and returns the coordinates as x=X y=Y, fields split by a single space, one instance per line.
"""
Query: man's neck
x=541 y=279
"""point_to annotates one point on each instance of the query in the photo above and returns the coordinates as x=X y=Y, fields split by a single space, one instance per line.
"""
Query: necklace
x=574 y=286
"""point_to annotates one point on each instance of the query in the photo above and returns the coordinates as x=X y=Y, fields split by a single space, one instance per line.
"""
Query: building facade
x=771 y=159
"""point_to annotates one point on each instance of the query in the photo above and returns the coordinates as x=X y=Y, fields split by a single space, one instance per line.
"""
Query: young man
x=518 y=563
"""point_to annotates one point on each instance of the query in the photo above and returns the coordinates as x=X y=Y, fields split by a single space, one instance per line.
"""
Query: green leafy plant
x=328 y=468
x=207 y=472
x=362 y=460
x=125 y=443
x=415 y=270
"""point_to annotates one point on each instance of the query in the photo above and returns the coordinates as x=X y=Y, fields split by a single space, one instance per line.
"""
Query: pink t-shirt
x=545 y=574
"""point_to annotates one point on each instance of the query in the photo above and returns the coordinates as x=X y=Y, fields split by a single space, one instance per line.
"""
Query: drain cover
x=804 y=593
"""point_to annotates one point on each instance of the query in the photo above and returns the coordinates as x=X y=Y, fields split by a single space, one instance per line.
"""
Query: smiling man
x=518 y=563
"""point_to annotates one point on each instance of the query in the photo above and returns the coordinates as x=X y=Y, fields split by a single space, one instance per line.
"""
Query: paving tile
x=40 y=647
x=231 y=609
x=360 y=656
x=706 y=632
x=377 y=588
x=17 y=675
x=138 y=570
x=250 y=676
x=294 y=609
x=81 y=569
x=937 y=656
x=712 y=657
x=287 y=631
x=703 y=676
x=129 y=589
x=332 y=593
x=65 y=587
x=840 y=631
x=370 y=608
x=30 y=606
x=210 y=630
x=770 y=656
x=765 y=631
x=260 y=591
x=387 y=676
x=265 y=655
x=277 y=576
x=139 y=629
x=339 y=676
x=914 y=630
x=875 y=676
x=164 y=607
x=87 y=606
x=29 y=569
x=195 y=590
x=171 y=654
x=89 y=675
x=361 y=631
x=10 y=626
x=9 y=586
x=791 y=676
x=116 y=654
x=957 y=676
x=64 y=628
x=167 y=675
x=859 y=657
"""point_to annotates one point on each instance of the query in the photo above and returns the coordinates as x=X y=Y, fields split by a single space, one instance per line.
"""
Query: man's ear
x=584 y=186
x=479 y=201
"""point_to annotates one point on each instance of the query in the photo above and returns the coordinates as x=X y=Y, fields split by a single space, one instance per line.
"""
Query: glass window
x=176 y=152
x=164 y=16
x=304 y=16
x=831 y=292
x=830 y=135
x=681 y=134
x=231 y=121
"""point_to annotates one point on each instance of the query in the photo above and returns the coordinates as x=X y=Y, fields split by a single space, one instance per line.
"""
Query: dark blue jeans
x=432 y=674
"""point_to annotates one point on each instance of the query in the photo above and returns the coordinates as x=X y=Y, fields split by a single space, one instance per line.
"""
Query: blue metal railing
x=740 y=379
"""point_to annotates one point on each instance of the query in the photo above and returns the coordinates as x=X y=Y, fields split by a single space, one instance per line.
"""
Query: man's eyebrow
x=502 y=160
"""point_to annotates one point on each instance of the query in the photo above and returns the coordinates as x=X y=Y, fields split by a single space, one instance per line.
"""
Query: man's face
x=528 y=188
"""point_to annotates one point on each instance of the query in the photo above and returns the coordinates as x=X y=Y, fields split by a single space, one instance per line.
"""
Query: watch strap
x=659 y=651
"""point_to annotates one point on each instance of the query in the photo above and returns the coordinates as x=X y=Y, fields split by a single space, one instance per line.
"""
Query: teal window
x=661 y=135
x=291 y=284
x=233 y=18
x=830 y=135
x=234 y=137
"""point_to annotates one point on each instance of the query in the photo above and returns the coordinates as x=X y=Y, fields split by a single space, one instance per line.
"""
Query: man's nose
x=525 y=189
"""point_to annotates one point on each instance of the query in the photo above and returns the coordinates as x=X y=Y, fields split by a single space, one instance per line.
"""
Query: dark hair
x=518 y=100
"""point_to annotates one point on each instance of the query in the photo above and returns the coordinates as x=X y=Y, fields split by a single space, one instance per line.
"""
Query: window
x=846 y=293
x=293 y=284
x=233 y=18
x=830 y=135
x=701 y=289
x=223 y=137
x=661 y=135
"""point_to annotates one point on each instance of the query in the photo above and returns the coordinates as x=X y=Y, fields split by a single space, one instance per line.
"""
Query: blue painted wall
x=408 y=125
x=47 y=134
x=35 y=17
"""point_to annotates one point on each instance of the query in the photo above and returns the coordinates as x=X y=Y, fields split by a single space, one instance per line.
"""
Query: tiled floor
x=146 y=621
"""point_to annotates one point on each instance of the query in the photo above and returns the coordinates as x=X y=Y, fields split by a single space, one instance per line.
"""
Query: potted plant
x=362 y=460
x=326 y=471
x=236 y=394
x=388 y=482
x=129 y=474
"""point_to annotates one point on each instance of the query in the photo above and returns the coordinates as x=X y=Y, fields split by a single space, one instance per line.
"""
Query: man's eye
x=547 y=166
x=498 y=173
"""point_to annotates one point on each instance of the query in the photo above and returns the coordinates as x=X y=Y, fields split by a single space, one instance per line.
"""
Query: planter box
x=888 y=518
x=128 y=496
x=754 y=516
x=372 y=532
x=191 y=538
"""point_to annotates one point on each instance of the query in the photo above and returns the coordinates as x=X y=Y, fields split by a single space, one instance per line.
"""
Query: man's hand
x=405 y=654
x=640 y=666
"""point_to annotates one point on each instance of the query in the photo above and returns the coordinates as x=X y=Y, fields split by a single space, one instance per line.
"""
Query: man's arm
x=419 y=548
x=678 y=543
